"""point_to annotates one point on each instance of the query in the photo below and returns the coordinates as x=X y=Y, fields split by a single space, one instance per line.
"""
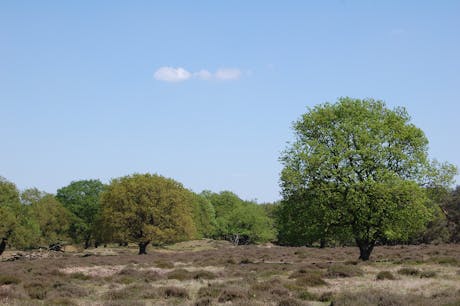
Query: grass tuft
x=340 y=270
x=383 y=275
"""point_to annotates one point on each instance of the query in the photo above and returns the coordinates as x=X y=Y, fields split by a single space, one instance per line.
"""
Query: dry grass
x=209 y=273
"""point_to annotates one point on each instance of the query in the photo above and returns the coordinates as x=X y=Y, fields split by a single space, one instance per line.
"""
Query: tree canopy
x=357 y=168
x=147 y=208
x=240 y=221
x=82 y=199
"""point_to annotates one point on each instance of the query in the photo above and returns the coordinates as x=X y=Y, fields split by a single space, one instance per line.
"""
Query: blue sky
x=205 y=92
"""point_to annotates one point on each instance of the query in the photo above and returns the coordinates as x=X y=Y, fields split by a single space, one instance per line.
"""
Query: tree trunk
x=365 y=249
x=322 y=243
x=2 y=246
x=143 y=248
x=87 y=243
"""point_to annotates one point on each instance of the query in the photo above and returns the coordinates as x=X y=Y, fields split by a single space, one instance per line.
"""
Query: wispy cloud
x=179 y=74
x=227 y=74
x=170 y=74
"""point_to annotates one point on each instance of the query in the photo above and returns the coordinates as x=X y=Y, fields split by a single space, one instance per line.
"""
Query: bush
x=232 y=294
x=310 y=280
x=203 y=302
x=36 y=290
x=289 y=302
x=164 y=264
x=175 y=292
x=79 y=276
x=203 y=274
x=369 y=297
x=307 y=296
x=409 y=271
x=382 y=275
x=9 y=280
x=246 y=261
x=427 y=274
x=340 y=270
x=210 y=291
x=61 y=302
x=446 y=261
x=66 y=290
x=179 y=274
x=326 y=296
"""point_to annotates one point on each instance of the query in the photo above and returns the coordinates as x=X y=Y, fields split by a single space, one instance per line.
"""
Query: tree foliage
x=357 y=167
x=52 y=218
x=240 y=221
x=451 y=208
x=204 y=216
x=146 y=208
x=17 y=227
x=82 y=199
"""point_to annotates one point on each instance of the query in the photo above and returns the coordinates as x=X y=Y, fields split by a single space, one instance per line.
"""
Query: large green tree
x=148 y=208
x=358 y=167
x=82 y=199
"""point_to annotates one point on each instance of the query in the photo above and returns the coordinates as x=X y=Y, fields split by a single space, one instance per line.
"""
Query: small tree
x=204 y=216
x=146 y=208
x=82 y=199
x=358 y=167
x=240 y=221
x=17 y=227
x=52 y=218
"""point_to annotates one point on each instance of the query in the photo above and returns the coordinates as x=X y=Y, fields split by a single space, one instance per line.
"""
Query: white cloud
x=203 y=74
x=171 y=74
x=228 y=74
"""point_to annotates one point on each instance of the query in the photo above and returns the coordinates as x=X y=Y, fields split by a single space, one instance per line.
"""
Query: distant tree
x=52 y=217
x=204 y=216
x=82 y=199
x=358 y=167
x=240 y=221
x=451 y=208
x=146 y=208
x=17 y=227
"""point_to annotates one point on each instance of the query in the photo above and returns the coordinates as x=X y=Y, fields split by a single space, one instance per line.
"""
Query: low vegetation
x=199 y=273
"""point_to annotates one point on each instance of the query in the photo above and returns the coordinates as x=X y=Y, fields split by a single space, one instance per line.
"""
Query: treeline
x=140 y=208
x=152 y=209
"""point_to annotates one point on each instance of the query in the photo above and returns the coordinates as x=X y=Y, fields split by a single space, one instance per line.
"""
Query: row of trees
x=140 y=208
x=357 y=173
